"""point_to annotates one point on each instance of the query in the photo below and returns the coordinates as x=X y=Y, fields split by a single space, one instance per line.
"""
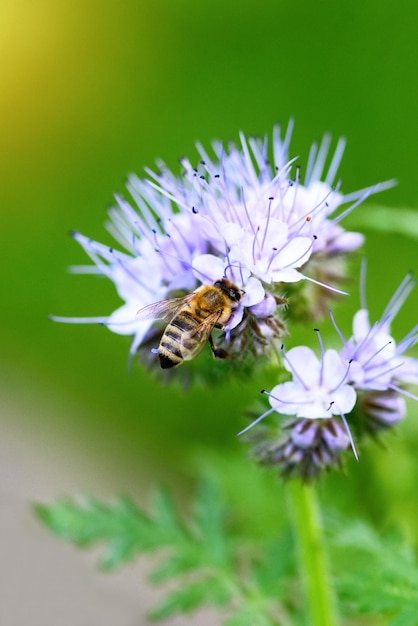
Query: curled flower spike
x=382 y=409
x=245 y=214
x=319 y=396
x=306 y=449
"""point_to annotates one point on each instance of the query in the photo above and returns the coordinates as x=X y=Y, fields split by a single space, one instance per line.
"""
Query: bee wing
x=194 y=340
x=164 y=309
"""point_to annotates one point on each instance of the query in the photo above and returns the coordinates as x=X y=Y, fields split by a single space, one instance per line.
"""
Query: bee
x=191 y=320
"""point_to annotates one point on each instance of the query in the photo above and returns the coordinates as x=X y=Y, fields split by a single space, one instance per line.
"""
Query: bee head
x=232 y=291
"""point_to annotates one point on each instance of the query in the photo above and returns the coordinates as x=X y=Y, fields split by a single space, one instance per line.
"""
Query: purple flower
x=255 y=215
x=306 y=448
x=383 y=409
x=379 y=370
x=377 y=362
x=318 y=389
x=244 y=214
x=319 y=397
x=156 y=263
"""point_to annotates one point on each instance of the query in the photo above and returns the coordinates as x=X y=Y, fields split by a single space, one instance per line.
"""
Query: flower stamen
x=292 y=369
x=321 y=346
x=267 y=224
x=334 y=323
x=256 y=421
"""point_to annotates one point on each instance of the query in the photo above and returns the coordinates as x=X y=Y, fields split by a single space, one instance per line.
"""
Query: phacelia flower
x=244 y=214
x=259 y=216
x=306 y=447
x=364 y=384
x=379 y=368
x=158 y=263
x=318 y=389
x=319 y=397
x=382 y=409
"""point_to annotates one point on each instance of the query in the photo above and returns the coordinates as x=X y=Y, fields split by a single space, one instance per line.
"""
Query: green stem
x=319 y=601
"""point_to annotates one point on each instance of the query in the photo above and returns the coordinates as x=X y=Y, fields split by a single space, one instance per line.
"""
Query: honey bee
x=192 y=319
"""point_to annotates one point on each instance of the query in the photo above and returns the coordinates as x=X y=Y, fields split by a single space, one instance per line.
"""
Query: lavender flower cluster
x=246 y=214
x=364 y=381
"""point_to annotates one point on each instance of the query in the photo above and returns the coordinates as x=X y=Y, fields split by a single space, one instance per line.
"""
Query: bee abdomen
x=169 y=352
x=173 y=343
x=184 y=321
x=168 y=359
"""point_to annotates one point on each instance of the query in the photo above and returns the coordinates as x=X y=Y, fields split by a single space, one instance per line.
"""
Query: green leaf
x=276 y=565
x=208 y=522
x=387 y=219
x=164 y=515
x=185 y=559
x=210 y=590
x=122 y=527
x=249 y=617
x=407 y=617
x=379 y=575
x=212 y=562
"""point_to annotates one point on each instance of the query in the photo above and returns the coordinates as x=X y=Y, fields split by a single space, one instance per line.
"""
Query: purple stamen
x=181 y=235
x=353 y=447
x=341 y=336
x=256 y=421
x=298 y=402
x=320 y=159
x=294 y=372
x=314 y=238
x=246 y=210
x=247 y=159
x=321 y=345
x=334 y=289
x=267 y=223
x=280 y=150
x=85 y=269
x=384 y=373
x=296 y=190
x=351 y=208
x=276 y=252
x=408 y=341
x=254 y=242
x=309 y=215
x=102 y=321
x=375 y=355
x=344 y=378
x=311 y=160
x=398 y=299
x=363 y=343
x=336 y=160
x=404 y=392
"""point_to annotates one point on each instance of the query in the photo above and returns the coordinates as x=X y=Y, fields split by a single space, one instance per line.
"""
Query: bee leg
x=218 y=353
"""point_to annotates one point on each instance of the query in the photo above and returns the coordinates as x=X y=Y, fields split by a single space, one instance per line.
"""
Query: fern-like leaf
x=378 y=575
x=208 y=557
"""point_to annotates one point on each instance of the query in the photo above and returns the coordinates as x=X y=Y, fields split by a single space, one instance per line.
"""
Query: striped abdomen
x=181 y=340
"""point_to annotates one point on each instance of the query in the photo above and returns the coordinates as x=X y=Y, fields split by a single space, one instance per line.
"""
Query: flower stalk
x=319 y=598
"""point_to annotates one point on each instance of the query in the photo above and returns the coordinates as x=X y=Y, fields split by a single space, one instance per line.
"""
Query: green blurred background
x=92 y=91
